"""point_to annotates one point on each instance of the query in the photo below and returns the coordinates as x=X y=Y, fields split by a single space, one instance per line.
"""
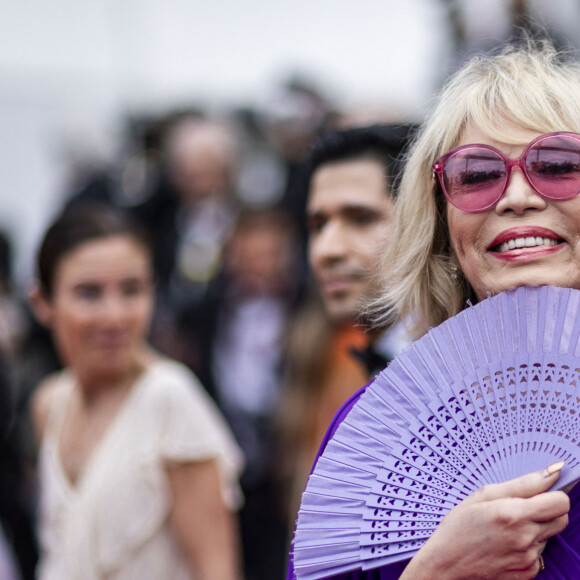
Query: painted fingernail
x=554 y=468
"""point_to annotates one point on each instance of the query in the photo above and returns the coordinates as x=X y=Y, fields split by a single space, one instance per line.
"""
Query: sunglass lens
x=553 y=166
x=474 y=178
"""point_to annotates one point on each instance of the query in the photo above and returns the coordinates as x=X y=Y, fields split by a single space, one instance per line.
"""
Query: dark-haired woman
x=138 y=470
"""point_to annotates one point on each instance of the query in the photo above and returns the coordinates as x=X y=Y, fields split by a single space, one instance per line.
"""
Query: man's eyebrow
x=359 y=206
x=314 y=212
x=345 y=208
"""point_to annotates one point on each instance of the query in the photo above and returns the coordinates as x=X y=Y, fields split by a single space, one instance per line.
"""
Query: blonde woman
x=462 y=235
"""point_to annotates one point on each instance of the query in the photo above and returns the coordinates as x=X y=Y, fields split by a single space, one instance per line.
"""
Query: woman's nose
x=113 y=309
x=519 y=195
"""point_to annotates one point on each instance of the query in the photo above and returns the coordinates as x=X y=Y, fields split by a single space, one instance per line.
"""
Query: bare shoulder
x=41 y=402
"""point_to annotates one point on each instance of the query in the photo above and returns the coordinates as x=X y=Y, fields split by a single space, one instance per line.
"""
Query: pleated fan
x=487 y=396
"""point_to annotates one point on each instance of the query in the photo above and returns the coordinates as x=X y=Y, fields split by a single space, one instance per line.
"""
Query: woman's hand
x=498 y=532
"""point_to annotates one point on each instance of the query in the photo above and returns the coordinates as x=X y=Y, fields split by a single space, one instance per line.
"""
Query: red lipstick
x=522 y=232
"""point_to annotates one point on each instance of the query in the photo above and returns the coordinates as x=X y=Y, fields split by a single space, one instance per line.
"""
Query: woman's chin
x=110 y=367
x=503 y=284
x=494 y=283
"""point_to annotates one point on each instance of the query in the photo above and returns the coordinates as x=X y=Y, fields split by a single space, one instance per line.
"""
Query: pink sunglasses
x=475 y=177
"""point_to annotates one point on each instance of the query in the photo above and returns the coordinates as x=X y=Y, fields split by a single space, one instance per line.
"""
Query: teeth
x=528 y=242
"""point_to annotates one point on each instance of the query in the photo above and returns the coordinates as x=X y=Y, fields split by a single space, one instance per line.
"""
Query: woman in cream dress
x=138 y=470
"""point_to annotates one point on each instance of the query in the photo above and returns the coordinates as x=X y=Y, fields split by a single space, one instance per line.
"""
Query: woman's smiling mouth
x=525 y=242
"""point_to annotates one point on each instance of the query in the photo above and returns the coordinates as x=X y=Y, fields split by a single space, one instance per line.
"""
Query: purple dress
x=561 y=555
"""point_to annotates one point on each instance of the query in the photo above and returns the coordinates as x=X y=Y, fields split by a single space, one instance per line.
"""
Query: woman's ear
x=40 y=305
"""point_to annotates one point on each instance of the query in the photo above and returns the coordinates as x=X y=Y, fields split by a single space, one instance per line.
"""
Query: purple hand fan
x=487 y=396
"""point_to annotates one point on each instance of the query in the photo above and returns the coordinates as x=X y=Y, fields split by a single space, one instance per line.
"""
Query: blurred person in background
x=349 y=178
x=18 y=549
x=477 y=28
x=13 y=318
x=190 y=215
x=239 y=333
x=291 y=119
x=138 y=471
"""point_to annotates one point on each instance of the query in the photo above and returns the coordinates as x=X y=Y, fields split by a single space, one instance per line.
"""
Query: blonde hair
x=531 y=86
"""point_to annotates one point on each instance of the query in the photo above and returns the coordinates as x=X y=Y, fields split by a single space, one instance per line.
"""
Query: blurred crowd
x=224 y=204
x=222 y=199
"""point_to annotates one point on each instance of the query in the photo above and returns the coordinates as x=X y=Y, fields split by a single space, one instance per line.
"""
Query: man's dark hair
x=385 y=143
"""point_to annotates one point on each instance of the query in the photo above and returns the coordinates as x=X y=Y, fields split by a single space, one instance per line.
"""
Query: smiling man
x=349 y=177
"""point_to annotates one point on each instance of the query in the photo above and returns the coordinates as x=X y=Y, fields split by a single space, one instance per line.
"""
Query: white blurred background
x=72 y=71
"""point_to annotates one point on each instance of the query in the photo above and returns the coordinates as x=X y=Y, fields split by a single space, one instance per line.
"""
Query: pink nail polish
x=554 y=468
